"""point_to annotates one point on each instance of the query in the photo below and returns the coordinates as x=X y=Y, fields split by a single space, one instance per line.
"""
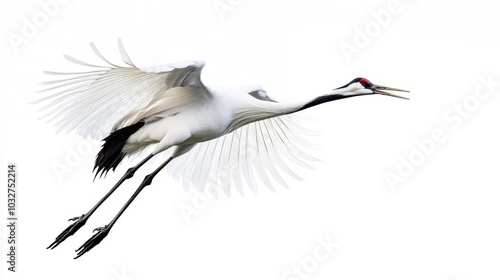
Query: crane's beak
x=381 y=90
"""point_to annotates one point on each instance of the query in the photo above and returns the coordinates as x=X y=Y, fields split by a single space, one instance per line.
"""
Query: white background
x=442 y=222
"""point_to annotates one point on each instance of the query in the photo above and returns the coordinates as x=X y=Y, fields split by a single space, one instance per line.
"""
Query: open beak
x=381 y=90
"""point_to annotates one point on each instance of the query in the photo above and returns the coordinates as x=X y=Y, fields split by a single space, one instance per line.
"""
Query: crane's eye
x=365 y=83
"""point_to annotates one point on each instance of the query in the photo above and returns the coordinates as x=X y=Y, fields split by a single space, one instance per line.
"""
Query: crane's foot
x=101 y=233
x=70 y=230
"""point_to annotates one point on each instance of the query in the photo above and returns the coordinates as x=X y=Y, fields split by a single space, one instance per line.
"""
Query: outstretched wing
x=255 y=154
x=92 y=102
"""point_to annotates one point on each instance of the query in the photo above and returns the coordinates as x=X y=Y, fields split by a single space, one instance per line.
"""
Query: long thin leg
x=80 y=221
x=102 y=232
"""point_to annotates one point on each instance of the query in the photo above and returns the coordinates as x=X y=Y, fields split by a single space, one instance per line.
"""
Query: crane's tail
x=111 y=153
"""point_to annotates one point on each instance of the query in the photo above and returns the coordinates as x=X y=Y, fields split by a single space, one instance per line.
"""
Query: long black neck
x=325 y=98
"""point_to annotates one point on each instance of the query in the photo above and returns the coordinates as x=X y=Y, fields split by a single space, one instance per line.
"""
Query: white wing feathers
x=91 y=103
x=261 y=150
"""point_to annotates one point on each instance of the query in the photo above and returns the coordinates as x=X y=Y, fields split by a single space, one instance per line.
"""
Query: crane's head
x=362 y=86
